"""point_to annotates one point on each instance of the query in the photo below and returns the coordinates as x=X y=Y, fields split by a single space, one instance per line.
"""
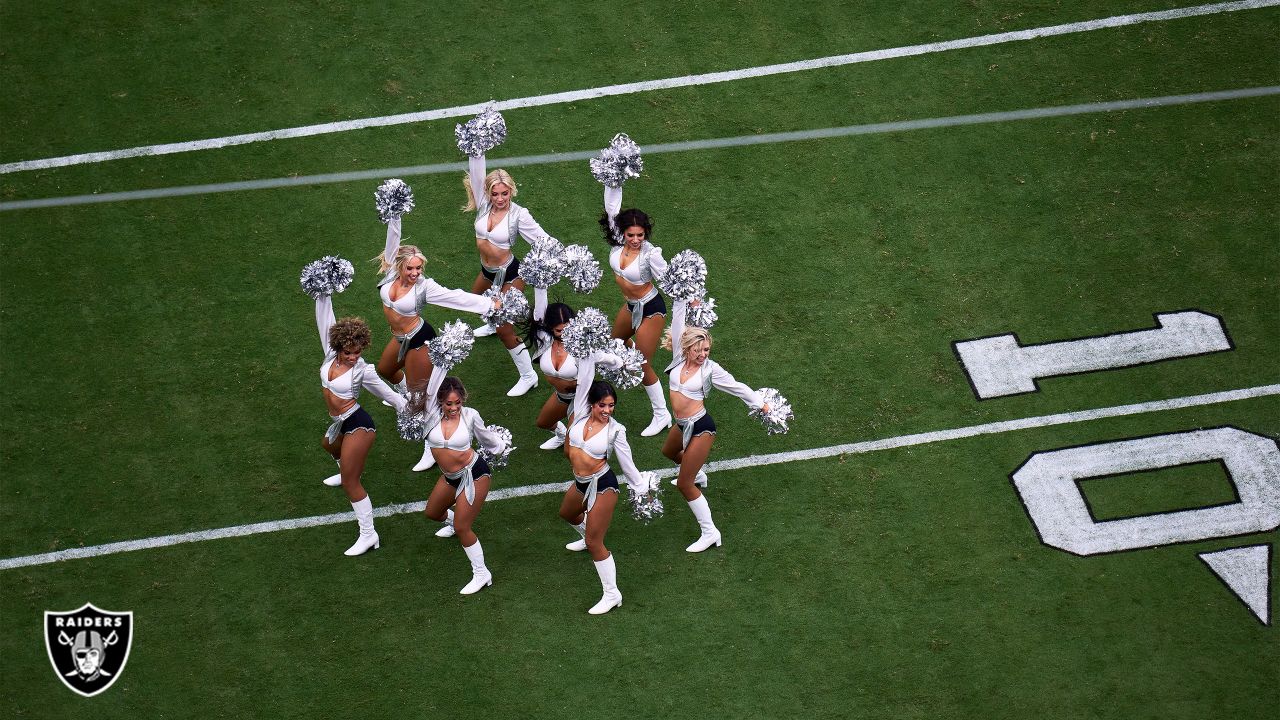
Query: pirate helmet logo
x=88 y=647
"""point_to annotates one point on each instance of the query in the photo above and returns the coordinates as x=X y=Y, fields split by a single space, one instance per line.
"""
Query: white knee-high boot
x=427 y=459
x=612 y=597
x=447 y=530
x=556 y=440
x=368 y=536
x=480 y=575
x=710 y=535
x=661 y=418
x=528 y=378
x=334 y=480
x=581 y=543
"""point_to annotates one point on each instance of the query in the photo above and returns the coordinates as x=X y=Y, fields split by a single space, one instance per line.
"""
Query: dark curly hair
x=349 y=332
x=624 y=220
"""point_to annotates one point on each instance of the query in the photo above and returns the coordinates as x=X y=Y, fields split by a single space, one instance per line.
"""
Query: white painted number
x=999 y=366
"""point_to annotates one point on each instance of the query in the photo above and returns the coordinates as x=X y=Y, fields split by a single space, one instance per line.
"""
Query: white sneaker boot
x=368 y=536
x=661 y=418
x=447 y=529
x=480 y=575
x=612 y=597
x=556 y=440
x=484 y=330
x=581 y=543
x=334 y=480
x=710 y=535
x=528 y=378
x=700 y=479
x=427 y=459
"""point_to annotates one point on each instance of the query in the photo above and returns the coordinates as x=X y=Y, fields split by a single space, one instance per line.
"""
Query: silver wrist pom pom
x=647 y=507
x=703 y=314
x=412 y=425
x=451 y=346
x=499 y=460
x=514 y=307
x=329 y=275
x=618 y=162
x=587 y=332
x=630 y=373
x=392 y=199
x=545 y=264
x=775 y=421
x=686 y=276
x=582 y=269
x=481 y=133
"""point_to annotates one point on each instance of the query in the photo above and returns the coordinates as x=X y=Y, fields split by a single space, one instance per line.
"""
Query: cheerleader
x=404 y=291
x=452 y=427
x=499 y=220
x=588 y=503
x=558 y=366
x=692 y=375
x=350 y=435
x=636 y=262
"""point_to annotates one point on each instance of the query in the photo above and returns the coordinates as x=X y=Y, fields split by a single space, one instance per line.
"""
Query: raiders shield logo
x=88 y=647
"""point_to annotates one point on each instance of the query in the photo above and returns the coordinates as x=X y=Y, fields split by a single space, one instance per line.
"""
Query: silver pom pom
x=775 y=421
x=587 y=332
x=499 y=460
x=686 y=276
x=545 y=264
x=647 y=507
x=412 y=425
x=618 y=162
x=632 y=370
x=452 y=345
x=582 y=268
x=329 y=275
x=481 y=133
x=514 y=308
x=703 y=314
x=392 y=199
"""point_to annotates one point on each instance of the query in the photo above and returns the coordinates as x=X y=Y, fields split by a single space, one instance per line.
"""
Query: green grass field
x=159 y=364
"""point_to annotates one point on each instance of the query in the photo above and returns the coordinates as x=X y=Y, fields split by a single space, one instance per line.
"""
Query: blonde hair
x=493 y=178
x=690 y=337
x=404 y=254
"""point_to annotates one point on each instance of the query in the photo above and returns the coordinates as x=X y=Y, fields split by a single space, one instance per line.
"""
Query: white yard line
x=719 y=465
x=707 y=144
x=644 y=86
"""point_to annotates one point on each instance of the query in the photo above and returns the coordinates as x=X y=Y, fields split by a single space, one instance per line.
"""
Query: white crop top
x=470 y=424
x=649 y=265
x=518 y=219
x=569 y=368
x=598 y=446
x=612 y=438
x=709 y=375
x=347 y=386
x=459 y=440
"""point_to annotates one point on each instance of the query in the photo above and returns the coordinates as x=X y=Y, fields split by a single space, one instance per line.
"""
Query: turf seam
x=719 y=465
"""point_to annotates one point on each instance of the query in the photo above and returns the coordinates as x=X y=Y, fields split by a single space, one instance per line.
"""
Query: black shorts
x=359 y=420
x=566 y=398
x=657 y=305
x=425 y=334
x=479 y=470
x=607 y=481
x=512 y=267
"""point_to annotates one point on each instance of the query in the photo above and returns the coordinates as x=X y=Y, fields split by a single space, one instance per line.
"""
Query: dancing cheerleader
x=499 y=220
x=558 y=366
x=636 y=262
x=351 y=432
x=692 y=375
x=589 y=502
x=451 y=429
x=404 y=292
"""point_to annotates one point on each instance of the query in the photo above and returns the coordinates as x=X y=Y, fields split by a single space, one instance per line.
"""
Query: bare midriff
x=684 y=406
x=449 y=460
x=336 y=405
x=630 y=290
x=491 y=255
x=581 y=461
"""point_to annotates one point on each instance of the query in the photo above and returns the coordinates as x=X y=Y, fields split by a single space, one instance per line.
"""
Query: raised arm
x=622 y=450
x=612 y=204
x=324 y=321
x=393 y=240
x=476 y=170
x=586 y=376
x=677 y=329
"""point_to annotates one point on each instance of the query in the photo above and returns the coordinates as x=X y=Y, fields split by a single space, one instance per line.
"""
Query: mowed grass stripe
x=636 y=87
x=731 y=464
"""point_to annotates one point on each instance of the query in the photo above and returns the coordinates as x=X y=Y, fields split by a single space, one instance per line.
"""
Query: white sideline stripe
x=733 y=464
x=643 y=86
x=708 y=144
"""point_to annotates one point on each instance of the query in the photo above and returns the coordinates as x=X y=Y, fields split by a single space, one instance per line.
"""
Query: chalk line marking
x=707 y=144
x=643 y=86
x=719 y=465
